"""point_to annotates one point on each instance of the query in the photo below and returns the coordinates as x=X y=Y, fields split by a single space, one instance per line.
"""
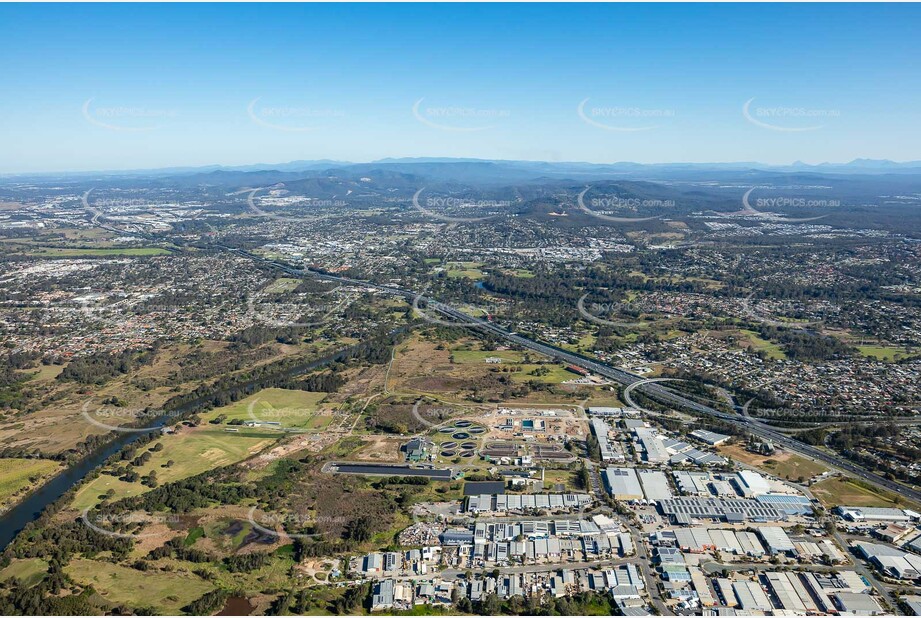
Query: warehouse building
x=726 y=594
x=734 y=510
x=694 y=540
x=623 y=484
x=854 y=604
x=751 y=484
x=751 y=546
x=751 y=597
x=608 y=452
x=776 y=540
x=653 y=446
x=789 y=504
x=783 y=590
x=710 y=437
x=891 y=561
x=871 y=514
x=701 y=587
x=655 y=485
x=503 y=503
x=382 y=595
x=692 y=483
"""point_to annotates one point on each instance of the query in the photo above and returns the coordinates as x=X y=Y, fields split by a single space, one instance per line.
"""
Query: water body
x=13 y=521
x=236 y=606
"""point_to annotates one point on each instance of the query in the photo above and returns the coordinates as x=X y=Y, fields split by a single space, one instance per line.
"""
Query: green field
x=884 y=353
x=773 y=350
x=509 y=357
x=16 y=475
x=165 y=592
x=521 y=273
x=284 y=284
x=126 y=251
x=468 y=270
x=294 y=409
x=783 y=464
x=28 y=571
x=557 y=374
x=193 y=451
x=842 y=491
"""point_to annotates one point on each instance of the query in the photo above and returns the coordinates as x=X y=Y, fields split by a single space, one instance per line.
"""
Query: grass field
x=291 y=408
x=842 y=491
x=884 y=353
x=28 y=571
x=509 y=357
x=557 y=374
x=43 y=373
x=781 y=464
x=165 y=592
x=284 y=284
x=193 y=451
x=773 y=350
x=18 y=475
x=469 y=270
x=521 y=273
x=126 y=251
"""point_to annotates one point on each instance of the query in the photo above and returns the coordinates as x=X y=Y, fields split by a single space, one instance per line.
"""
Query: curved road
x=655 y=391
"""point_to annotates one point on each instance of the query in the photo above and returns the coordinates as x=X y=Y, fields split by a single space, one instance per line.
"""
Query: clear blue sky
x=88 y=87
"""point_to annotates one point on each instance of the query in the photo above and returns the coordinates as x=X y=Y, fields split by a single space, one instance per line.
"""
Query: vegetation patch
x=190 y=452
x=18 y=476
x=167 y=592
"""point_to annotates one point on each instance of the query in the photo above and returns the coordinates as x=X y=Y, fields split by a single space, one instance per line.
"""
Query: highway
x=655 y=391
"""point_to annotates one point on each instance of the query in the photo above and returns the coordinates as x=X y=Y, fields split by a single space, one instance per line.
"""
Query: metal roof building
x=710 y=437
x=601 y=429
x=791 y=505
x=655 y=484
x=751 y=596
x=652 y=445
x=623 y=484
x=867 y=513
x=728 y=509
x=776 y=540
x=855 y=604
x=751 y=483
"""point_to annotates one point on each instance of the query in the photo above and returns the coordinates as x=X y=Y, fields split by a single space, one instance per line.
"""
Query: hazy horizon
x=156 y=86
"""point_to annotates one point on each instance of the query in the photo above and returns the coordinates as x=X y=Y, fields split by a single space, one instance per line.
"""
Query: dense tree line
x=803 y=345
x=101 y=367
x=207 y=604
x=243 y=563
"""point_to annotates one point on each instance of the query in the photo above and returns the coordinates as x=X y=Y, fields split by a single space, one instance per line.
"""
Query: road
x=655 y=391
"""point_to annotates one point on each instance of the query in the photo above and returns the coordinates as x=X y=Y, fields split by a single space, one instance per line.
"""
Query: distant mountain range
x=511 y=170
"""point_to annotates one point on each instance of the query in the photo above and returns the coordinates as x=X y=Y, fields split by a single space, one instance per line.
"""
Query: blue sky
x=90 y=87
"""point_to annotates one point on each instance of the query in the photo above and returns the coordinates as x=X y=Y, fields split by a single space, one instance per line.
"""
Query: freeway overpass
x=655 y=391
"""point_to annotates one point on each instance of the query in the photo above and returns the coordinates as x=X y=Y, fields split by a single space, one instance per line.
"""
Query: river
x=13 y=521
